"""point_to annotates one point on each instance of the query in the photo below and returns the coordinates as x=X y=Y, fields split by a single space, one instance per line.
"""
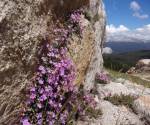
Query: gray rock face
x=142 y=107
x=23 y=25
x=96 y=64
x=20 y=29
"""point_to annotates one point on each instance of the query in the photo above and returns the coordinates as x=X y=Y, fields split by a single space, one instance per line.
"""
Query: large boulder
x=121 y=87
x=142 y=66
x=112 y=115
x=142 y=107
x=23 y=25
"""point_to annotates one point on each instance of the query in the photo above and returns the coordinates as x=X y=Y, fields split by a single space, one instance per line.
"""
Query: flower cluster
x=75 y=22
x=102 y=78
x=53 y=97
x=52 y=85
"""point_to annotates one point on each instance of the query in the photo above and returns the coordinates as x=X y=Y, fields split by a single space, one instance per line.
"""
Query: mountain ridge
x=120 y=47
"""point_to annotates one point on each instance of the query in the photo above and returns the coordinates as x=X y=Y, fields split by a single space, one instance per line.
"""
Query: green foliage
x=116 y=64
x=133 y=79
x=124 y=61
x=125 y=100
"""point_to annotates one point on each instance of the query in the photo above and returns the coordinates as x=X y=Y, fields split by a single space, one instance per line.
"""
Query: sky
x=128 y=20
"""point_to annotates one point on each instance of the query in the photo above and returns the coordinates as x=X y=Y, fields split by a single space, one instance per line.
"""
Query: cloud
x=112 y=29
x=135 y=6
x=107 y=50
x=117 y=34
x=136 y=10
x=141 y=16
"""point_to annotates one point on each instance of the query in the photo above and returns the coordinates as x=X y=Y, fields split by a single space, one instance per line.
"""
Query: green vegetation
x=118 y=64
x=124 y=61
x=134 y=79
x=125 y=100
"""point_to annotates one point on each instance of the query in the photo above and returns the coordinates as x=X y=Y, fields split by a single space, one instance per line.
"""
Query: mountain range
x=121 y=47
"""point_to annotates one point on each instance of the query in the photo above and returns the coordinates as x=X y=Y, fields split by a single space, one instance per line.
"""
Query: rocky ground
x=134 y=111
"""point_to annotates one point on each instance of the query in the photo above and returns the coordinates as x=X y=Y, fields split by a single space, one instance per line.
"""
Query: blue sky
x=119 y=12
x=128 y=20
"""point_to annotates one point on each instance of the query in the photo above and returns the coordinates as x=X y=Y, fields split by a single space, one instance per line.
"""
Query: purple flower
x=25 y=122
x=51 y=122
x=42 y=69
x=101 y=77
x=41 y=82
x=41 y=90
x=43 y=98
x=32 y=89
x=32 y=96
x=62 y=72
x=39 y=121
x=39 y=105
x=51 y=54
x=39 y=115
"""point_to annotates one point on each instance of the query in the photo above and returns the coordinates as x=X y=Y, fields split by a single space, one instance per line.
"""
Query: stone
x=113 y=115
x=142 y=107
x=112 y=89
x=23 y=26
x=121 y=86
x=135 y=89
x=99 y=22
x=120 y=80
x=143 y=62
x=141 y=69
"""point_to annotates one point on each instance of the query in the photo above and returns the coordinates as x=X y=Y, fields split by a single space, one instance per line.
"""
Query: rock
x=143 y=62
x=131 y=70
x=79 y=47
x=141 y=70
x=142 y=65
x=96 y=62
x=113 y=115
x=112 y=89
x=120 y=80
x=122 y=86
x=142 y=107
x=136 y=90
x=23 y=26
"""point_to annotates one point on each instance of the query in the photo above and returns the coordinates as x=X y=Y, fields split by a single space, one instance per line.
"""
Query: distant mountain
x=120 y=47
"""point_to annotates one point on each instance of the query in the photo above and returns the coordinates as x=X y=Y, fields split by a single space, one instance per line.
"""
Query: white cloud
x=112 y=29
x=107 y=50
x=135 y=6
x=140 y=34
x=140 y=16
